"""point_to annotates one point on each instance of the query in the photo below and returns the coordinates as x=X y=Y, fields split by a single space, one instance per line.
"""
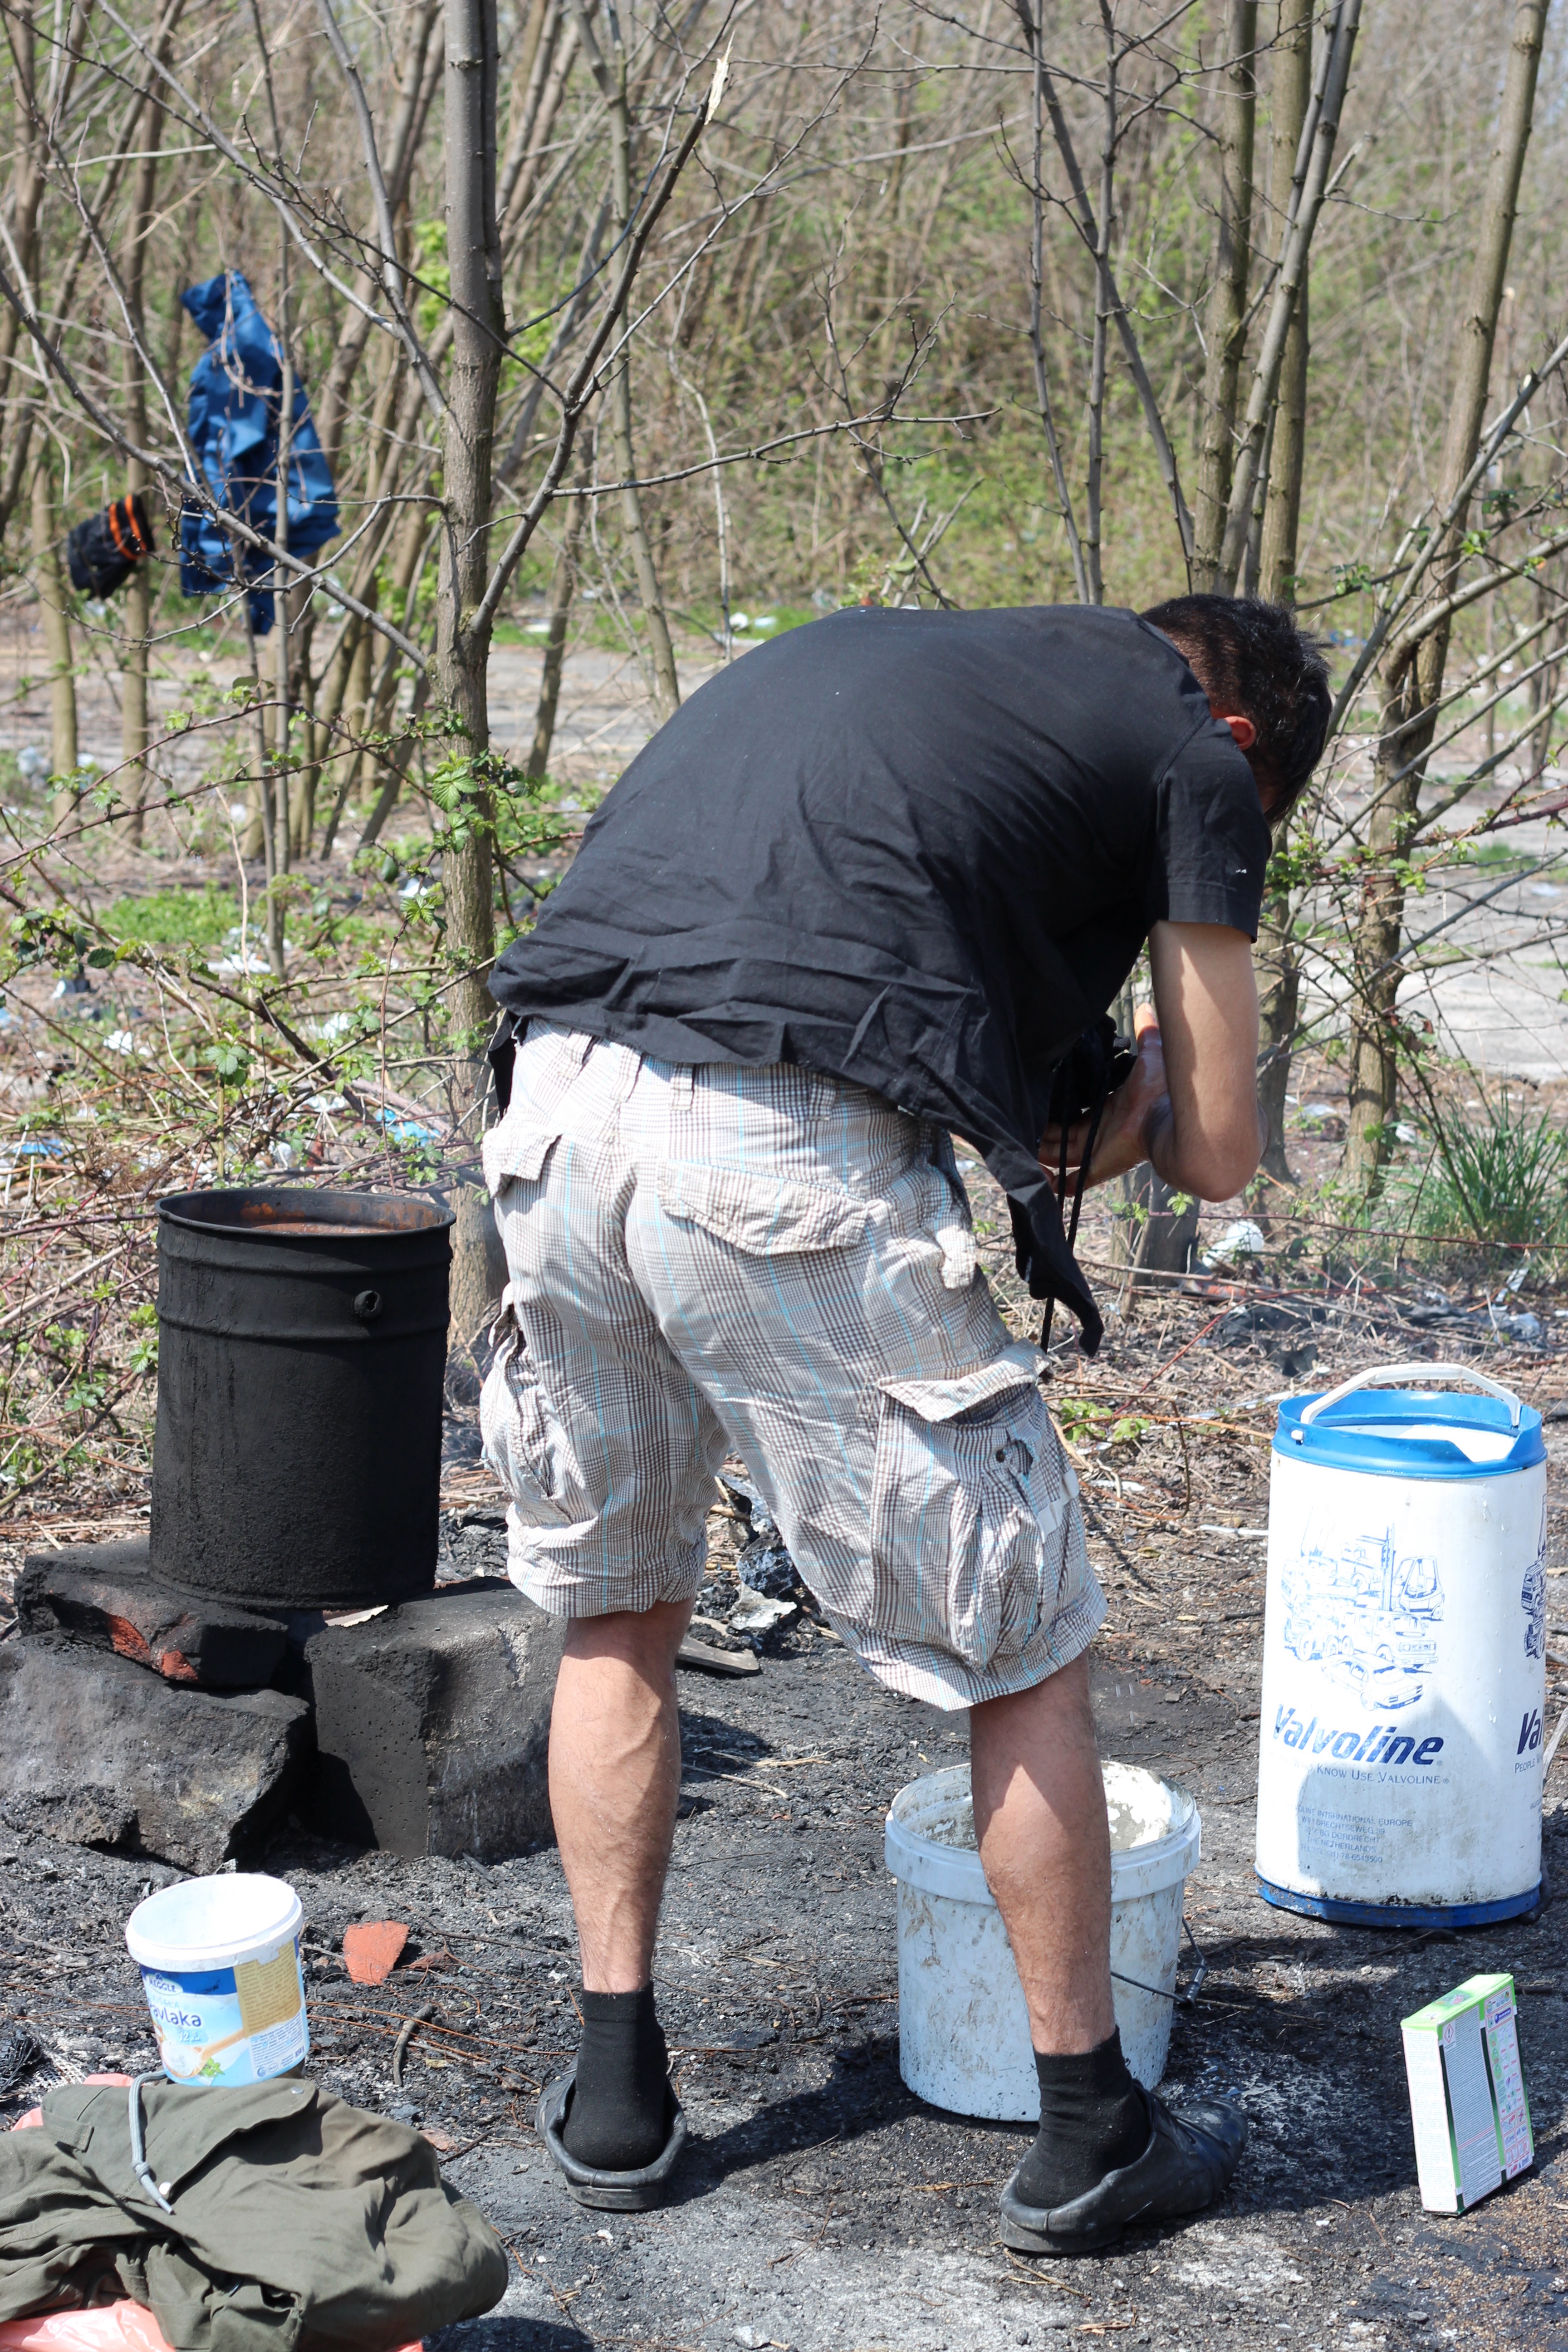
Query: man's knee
x=645 y=1640
x=1059 y=1704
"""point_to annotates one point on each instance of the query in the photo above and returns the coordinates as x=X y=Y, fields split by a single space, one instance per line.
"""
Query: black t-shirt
x=916 y=850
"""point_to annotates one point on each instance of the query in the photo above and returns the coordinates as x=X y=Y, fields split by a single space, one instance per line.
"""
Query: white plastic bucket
x=220 y=1967
x=964 y=2030
x=1404 y=1653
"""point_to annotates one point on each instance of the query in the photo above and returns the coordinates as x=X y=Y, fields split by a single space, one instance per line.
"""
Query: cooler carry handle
x=1393 y=1375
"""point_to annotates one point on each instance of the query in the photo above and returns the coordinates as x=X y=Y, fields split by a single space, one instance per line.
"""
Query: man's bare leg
x=1104 y=2155
x=1040 y=1818
x=615 y=1780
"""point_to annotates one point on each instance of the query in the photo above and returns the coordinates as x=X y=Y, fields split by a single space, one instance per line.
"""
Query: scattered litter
x=33 y=762
x=1467 y=2103
x=78 y=984
x=235 y=966
x=326 y=1102
x=765 y=1568
x=1242 y=1239
x=760 y=1613
x=1318 y=1111
x=122 y=2326
x=220 y=1967
x=707 y=1660
x=404 y=1130
x=764 y=1564
x=741 y=1490
x=1405 y=1133
x=121 y=1041
x=19 y=2053
x=372 y=1948
x=32 y=1147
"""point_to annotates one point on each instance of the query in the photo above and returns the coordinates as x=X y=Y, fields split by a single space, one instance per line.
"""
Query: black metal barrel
x=301 y=1349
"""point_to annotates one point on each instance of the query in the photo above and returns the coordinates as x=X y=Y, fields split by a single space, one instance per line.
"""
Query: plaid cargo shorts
x=780 y=1264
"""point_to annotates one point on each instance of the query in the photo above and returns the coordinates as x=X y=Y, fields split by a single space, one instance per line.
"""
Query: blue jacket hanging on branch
x=236 y=402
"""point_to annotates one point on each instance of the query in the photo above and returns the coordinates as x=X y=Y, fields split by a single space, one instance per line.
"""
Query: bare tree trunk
x=663 y=681
x=1310 y=186
x=134 y=722
x=462 y=647
x=1225 y=322
x=1094 y=464
x=563 y=580
x=1277 y=958
x=1410 y=697
x=1036 y=305
x=1158 y=1235
x=1283 y=520
x=53 y=613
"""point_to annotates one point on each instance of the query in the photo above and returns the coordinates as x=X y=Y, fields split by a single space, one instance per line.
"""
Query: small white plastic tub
x=220 y=1967
x=964 y=2031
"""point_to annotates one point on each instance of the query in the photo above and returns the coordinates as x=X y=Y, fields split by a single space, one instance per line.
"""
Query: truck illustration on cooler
x=1366 y=1616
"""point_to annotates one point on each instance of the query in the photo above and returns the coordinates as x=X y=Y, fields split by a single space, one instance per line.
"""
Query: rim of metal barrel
x=275 y=1212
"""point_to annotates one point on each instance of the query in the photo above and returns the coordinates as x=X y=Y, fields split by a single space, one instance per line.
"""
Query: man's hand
x=1127 y=1123
x=1191 y=1104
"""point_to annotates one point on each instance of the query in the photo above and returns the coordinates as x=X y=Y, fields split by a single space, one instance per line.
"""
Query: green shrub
x=197 y=918
x=1501 y=1178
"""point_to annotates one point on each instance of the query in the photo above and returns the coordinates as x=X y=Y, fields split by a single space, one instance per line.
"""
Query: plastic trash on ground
x=110 y=2327
x=1241 y=1240
x=1469 y=2107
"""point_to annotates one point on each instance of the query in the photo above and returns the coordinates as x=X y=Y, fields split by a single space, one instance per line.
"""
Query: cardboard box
x=1468 y=2102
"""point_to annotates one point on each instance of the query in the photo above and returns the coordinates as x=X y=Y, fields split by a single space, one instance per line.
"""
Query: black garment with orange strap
x=103 y=551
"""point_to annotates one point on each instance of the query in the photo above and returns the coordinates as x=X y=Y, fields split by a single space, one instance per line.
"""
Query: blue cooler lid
x=1394 y=1432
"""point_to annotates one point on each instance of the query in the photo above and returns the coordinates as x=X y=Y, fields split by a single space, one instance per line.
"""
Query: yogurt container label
x=230 y=2025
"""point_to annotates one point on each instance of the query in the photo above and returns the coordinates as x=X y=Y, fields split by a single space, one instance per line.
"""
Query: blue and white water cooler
x=1404 y=1653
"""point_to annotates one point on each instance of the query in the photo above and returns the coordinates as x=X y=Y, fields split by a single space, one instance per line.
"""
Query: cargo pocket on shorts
x=519 y=1434
x=764 y=1215
x=966 y=1509
x=511 y=1152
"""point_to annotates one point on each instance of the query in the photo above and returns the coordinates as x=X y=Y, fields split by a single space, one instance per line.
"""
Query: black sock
x=616 y=2119
x=1094 y=2118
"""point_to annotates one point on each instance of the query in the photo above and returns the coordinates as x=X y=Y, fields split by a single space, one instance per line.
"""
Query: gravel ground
x=822 y=2206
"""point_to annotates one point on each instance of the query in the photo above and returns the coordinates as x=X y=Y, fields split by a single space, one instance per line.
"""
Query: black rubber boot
x=1185 y=2164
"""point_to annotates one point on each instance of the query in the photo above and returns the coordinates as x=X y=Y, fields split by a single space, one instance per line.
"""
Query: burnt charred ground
x=821 y=2206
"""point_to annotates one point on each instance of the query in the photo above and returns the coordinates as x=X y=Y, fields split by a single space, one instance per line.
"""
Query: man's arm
x=1191 y=1104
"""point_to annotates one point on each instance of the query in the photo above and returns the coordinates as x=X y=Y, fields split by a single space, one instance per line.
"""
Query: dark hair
x=1250 y=657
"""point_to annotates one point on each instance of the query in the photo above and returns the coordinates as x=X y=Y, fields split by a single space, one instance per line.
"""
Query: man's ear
x=1243 y=732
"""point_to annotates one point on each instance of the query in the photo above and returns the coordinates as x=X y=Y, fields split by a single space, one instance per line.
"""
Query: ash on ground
x=821 y=2207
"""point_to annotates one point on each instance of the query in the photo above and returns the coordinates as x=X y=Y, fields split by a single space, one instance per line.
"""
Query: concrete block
x=432 y=1724
x=106 y=1595
x=96 y=1749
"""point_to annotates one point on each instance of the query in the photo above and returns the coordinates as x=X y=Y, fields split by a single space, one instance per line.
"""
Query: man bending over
x=865 y=890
